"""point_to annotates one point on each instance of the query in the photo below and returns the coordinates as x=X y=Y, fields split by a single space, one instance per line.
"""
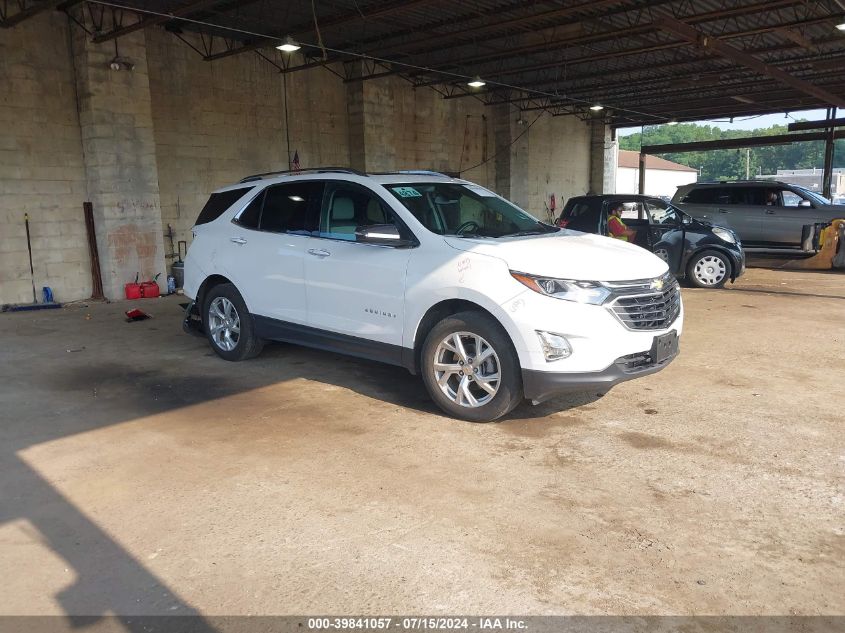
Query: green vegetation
x=730 y=164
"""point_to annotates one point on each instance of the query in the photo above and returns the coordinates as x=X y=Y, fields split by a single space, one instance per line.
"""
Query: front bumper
x=539 y=386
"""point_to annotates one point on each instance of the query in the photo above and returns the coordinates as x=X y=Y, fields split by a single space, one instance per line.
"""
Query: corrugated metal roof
x=561 y=55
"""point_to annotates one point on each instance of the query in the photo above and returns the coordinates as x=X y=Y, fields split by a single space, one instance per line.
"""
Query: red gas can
x=149 y=289
x=133 y=291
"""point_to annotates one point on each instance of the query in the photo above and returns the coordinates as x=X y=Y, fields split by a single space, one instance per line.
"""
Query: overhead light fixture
x=596 y=108
x=121 y=63
x=288 y=45
x=841 y=27
x=477 y=82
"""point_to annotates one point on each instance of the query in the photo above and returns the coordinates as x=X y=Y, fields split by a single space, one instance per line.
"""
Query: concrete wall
x=215 y=123
x=121 y=168
x=42 y=171
x=147 y=145
x=407 y=128
x=550 y=155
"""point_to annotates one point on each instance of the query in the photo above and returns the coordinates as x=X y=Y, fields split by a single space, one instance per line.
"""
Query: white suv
x=431 y=273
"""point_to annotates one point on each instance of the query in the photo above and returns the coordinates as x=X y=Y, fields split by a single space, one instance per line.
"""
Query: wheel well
x=437 y=313
x=208 y=284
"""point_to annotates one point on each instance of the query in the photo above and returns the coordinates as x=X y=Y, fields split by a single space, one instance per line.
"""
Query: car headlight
x=566 y=289
x=724 y=234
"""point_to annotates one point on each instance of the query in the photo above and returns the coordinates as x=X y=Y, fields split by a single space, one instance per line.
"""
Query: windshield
x=662 y=212
x=812 y=195
x=466 y=211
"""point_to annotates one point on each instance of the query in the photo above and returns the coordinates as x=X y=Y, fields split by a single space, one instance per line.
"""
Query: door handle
x=770 y=212
x=723 y=211
x=318 y=252
x=237 y=240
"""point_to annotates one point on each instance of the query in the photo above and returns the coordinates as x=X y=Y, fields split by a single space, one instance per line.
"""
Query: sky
x=750 y=123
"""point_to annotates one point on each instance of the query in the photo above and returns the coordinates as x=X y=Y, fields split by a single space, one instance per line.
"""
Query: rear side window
x=580 y=215
x=291 y=208
x=218 y=203
x=251 y=216
x=726 y=195
x=709 y=195
x=748 y=195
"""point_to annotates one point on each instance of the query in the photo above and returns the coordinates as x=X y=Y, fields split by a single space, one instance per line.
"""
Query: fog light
x=555 y=346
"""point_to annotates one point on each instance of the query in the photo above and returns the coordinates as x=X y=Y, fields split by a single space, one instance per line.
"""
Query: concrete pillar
x=119 y=156
x=604 y=156
x=370 y=107
x=512 y=154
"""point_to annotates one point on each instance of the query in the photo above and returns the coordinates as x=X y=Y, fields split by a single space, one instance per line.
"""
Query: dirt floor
x=143 y=475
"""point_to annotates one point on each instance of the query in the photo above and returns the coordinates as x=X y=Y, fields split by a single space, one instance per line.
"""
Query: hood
x=568 y=255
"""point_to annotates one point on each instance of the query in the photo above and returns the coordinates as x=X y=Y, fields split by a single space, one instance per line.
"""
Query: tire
x=224 y=311
x=708 y=269
x=460 y=390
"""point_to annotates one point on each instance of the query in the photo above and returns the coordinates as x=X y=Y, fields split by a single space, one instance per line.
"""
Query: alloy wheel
x=467 y=369
x=224 y=324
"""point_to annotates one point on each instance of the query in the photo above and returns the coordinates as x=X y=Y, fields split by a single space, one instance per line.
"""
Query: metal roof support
x=739 y=56
x=815 y=125
x=142 y=23
x=325 y=23
x=828 y=152
x=588 y=38
x=738 y=143
x=34 y=9
x=641 y=187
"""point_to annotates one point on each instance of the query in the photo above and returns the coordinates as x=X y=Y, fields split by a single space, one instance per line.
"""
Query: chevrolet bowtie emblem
x=657 y=284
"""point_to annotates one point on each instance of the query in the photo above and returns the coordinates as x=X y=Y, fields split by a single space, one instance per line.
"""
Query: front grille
x=654 y=310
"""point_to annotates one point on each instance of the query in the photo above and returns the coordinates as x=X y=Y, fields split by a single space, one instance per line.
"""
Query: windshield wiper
x=486 y=237
x=524 y=233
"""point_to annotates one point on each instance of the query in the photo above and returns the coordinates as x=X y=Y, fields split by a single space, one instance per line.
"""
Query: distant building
x=811 y=179
x=662 y=176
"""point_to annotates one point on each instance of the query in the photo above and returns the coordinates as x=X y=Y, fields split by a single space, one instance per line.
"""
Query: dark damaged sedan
x=705 y=254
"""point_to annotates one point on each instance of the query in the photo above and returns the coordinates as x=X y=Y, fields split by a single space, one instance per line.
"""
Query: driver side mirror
x=686 y=219
x=805 y=204
x=382 y=235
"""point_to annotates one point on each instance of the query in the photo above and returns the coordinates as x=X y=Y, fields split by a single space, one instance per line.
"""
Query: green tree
x=730 y=164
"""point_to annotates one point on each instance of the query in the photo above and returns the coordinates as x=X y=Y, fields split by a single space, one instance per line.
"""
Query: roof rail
x=411 y=172
x=737 y=182
x=310 y=170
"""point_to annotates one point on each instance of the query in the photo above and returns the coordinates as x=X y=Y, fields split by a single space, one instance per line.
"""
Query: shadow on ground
x=49 y=398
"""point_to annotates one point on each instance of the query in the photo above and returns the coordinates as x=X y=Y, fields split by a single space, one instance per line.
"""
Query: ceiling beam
x=325 y=23
x=815 y=125
x=647 y=49
x=564 y=12
x=704 y=103
x=705 y=82
x=33 y=9
x=626 y=32
x=736 y=143
x=153 y=20
x=738 y=56
x=628 y=71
